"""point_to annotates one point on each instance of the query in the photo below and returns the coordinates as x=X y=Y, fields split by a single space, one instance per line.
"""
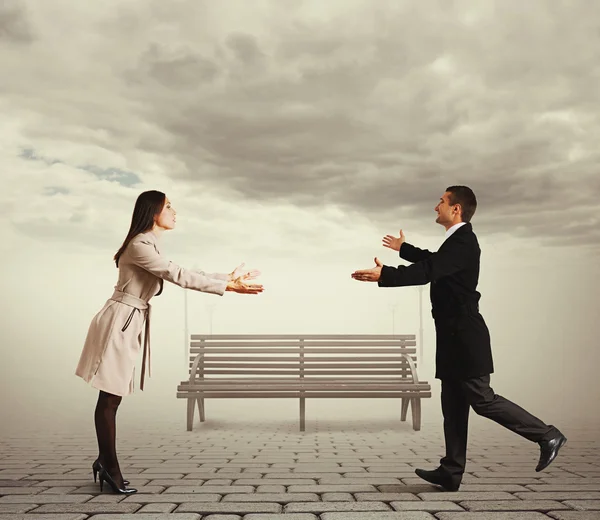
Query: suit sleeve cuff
x=386 y=276
x=404 y=249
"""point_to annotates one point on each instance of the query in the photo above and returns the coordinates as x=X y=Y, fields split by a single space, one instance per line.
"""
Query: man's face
x=445 y=210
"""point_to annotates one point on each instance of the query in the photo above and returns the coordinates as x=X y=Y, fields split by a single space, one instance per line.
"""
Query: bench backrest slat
x=305 y=337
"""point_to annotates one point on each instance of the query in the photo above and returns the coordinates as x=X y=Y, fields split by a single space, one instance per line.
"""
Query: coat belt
x=138 y=305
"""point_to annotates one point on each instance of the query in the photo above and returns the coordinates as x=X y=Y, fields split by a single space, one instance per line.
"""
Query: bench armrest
x=413 y=368
x=194 y=368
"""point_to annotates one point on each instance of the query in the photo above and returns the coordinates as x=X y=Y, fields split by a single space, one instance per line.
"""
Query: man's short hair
x=464 y=196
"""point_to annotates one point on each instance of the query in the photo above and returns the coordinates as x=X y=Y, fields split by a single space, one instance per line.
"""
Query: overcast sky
x=293 y=135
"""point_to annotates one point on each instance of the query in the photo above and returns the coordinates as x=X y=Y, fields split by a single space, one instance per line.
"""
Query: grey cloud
x=181 y=69
x=245 y=48
x=375 y=110
x=14 y=24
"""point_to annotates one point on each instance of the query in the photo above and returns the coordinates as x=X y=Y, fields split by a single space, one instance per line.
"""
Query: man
x=463 y=352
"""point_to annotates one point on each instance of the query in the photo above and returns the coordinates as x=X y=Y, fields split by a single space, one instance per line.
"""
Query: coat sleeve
x=216 y=276
x=143 y=254
x=413 y=254
x=452 y=258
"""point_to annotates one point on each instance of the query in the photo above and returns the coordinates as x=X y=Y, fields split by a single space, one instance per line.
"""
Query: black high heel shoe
x=104 y=475
x=96 y=467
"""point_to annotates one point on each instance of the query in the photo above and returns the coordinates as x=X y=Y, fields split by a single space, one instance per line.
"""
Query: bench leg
x=416 y=413
x=302 y=414
x=191 y=404
x=201 y=408
x=405 y=403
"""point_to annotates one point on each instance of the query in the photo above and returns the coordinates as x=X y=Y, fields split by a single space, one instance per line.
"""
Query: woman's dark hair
x=147 y=206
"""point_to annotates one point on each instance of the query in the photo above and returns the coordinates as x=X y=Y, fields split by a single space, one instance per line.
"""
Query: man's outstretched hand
x=369 y=275
x=394 y=242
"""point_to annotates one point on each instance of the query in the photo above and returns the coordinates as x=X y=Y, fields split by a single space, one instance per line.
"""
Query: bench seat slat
x=302 y=381
x=407 y=387
x=307 y=383
x=320 y=378
x=324 y=395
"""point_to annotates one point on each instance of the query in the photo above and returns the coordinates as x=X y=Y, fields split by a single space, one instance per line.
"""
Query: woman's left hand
x=243 y=275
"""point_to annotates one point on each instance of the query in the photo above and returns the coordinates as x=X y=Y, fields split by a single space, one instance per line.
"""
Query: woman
x=113 y=341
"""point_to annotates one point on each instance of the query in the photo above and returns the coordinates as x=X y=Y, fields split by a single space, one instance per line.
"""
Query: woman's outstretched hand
x=238 y=278
x=244 y=275
x=239 y=286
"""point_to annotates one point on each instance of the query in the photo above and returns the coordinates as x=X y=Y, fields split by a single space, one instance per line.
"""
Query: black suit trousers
x=458 y=396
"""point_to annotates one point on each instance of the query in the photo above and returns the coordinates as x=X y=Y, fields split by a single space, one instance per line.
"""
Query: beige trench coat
x=114 y=338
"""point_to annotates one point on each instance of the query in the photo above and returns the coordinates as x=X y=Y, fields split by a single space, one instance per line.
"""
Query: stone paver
x=459 y=496
x=584 y=504
x=280 y=498
x=520 y=515
x=151 y=516
x=178 y=499
x=321 y=507
x=158 y=508
x=289 y=516
x=385 y=497
x=513 y=505
x=16 y=508
x=404 y=515
x=269 y=471
x=88 y=508
x=45 y=499
x=574 y=515
x=424 y=505
x=239 y=508
x=58 y=516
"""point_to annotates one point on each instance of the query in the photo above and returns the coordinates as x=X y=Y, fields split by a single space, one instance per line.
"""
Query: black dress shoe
x=97 y=466
x=549 y=450
x=438 y=478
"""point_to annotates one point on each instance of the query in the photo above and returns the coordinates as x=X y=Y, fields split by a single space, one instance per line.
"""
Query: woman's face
x=166 y=219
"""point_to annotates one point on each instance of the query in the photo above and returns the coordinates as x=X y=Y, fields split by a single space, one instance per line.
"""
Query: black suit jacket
x=463 y=347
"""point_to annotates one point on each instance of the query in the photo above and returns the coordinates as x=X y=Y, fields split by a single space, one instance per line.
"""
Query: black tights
x=105 y=418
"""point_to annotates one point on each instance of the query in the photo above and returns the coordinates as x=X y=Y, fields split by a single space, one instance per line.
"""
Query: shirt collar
x=451 y=230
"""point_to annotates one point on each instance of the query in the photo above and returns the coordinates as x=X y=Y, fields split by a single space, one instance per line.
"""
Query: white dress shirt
x=451 y=230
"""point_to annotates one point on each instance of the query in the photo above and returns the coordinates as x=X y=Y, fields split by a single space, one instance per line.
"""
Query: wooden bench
x=303 y=367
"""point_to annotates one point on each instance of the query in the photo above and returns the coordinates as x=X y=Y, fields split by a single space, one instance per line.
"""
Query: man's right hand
x=394 y=242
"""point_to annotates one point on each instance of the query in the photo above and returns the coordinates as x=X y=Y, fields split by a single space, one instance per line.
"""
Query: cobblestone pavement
x=261 y=470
